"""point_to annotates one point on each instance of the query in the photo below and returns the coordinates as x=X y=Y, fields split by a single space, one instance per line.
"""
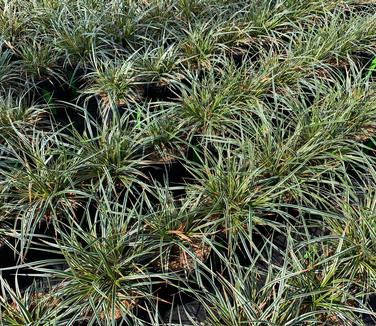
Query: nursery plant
x=187 y=162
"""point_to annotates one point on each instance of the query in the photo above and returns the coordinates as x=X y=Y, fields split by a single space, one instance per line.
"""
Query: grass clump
x=187 y=162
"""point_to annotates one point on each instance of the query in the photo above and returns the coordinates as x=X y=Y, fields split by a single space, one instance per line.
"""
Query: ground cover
x=187 y=162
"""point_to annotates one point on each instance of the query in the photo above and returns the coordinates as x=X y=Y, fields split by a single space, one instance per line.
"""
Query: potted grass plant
x=187 y=162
